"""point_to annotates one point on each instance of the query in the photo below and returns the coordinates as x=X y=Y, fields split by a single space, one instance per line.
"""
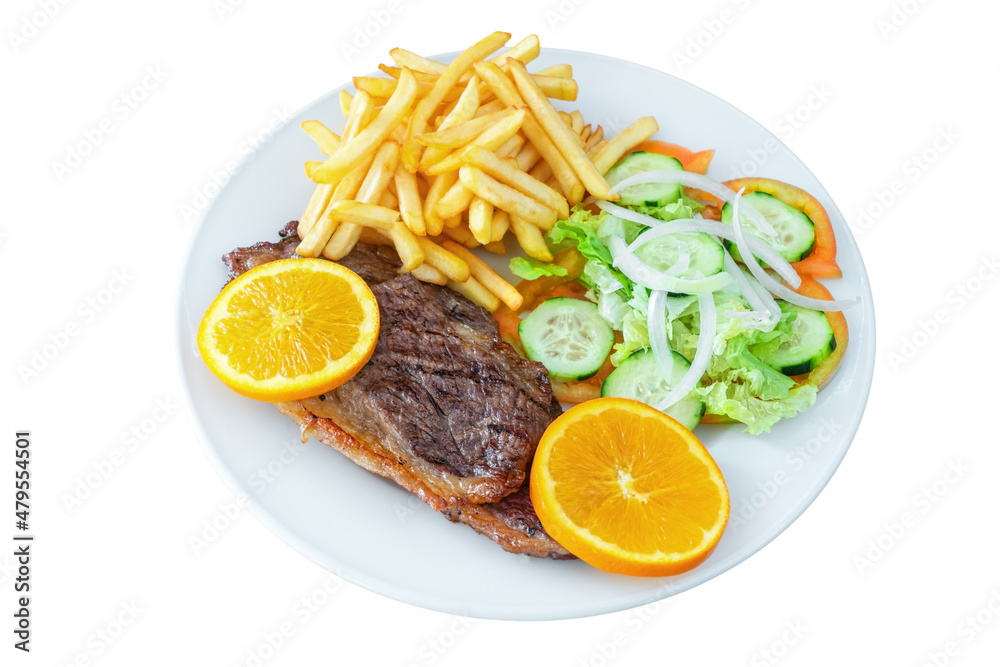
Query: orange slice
x=628 y=489
x=290 y=329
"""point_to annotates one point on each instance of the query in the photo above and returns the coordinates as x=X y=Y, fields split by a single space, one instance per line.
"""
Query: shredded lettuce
x=530 y=269
x=736 y=384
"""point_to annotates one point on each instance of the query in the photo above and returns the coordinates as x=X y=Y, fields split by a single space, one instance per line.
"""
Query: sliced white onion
x=642 y=274
x=702 y=355
x=773 y=285
x=700 y=182
x=757 y=246
x=628 y=214
x=656 y=323
x=764 y=313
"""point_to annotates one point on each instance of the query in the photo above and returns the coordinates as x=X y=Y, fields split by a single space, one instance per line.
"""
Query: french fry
x=496 y=247
x=490 y=107
x=511 y=147
x=595 y=149
x=432 y=221
x=456 y=200
x=491 y=139
x=358 y=115
x=556 y=87
x=404 y=58
x=481 y=220
x=374 y=237
x=388 y=200
x=460 y=134
x=519 y=180
x=311 y=166
x=460 y=234
x=509 y=95
x=506 y=197
x=526 y=50
x=530 y=238
x=383 y=168
x=527 y=157
x=594 y=138
x=409 y=251
x=562 y=136
x=420 y=115
x=410 y=206
x=327 y=140
x=346 y=100
x=354 y=150
x=561 y=71
x=500 y=225
x=576 y=120
x=426 y=273
x=623 y=142
x=380 y=88
x=474 y=291
x=489 y=278
x=465 y=109
x=368 y=215
x=446 y=262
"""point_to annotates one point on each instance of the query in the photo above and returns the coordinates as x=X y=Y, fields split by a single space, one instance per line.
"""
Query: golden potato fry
x=526 y=50
x=311 y=166
x=382 y=170
x=410 y=206
x=388 y=200
x=624 y=141
x=474 y=291
x=511 y=147
x=456 y=200
x=500 y=225
x=409 y=251
x=374 y=237
x=530 y=238
x=506 y=197
x=556 y=87
x=460 y=234
x=426 y=273
x=491 y=139
x=561 y=71
x=404 y=58
x=465 y=109
x=420 y=115
x=504 y=172
x=432 y=221
x=314 y=209
x=367 y=215
x=528 y=157
x=325 y=138
x=594 y=139
x=576 y=121
x=354 y=150
x=595 y=149
x=496 y=247
x=458 y=135
x=446 y=262
x=491 y=107
x=481 y=220
x=509 y=95
x=346 y=99
x=489 y=278
x=563 y=137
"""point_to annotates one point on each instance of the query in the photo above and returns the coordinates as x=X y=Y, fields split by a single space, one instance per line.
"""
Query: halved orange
x=290 y=329
x=628 y=489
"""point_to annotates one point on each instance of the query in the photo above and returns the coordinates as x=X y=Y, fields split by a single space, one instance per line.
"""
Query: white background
x=874 y=572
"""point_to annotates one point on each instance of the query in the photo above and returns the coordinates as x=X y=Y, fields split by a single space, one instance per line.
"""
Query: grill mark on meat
x=408 y=417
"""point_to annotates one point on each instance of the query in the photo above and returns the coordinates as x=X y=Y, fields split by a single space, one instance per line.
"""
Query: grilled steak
x=444 y=408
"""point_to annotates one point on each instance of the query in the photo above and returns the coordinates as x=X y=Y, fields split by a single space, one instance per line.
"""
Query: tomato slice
x=693 y=162
x=820 y=375
x=822 y=260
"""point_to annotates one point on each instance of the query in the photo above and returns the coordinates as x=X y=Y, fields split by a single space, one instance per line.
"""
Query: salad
x=697 y=297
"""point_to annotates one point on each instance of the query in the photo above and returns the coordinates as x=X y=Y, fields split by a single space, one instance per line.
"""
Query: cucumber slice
x=568 y=336
x=705 y=255
x=639 y=377
x=811 y=342
x=796 y=234
x=647 y=194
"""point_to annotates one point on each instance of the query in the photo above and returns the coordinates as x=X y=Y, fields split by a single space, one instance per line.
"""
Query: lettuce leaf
x=736 y=400
x=530 y=269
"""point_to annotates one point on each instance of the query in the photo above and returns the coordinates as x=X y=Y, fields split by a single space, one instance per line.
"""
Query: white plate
x=378 y=536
